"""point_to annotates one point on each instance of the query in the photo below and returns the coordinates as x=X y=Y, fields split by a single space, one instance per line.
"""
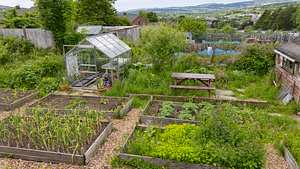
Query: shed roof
x=109 y=44
x=90 y=30
x=291 y=49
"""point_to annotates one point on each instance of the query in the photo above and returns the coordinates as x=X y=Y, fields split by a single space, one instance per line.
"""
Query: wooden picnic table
x=204 y=79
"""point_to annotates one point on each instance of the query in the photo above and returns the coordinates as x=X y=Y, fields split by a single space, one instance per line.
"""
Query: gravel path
x=122 y=128
x=274 y=159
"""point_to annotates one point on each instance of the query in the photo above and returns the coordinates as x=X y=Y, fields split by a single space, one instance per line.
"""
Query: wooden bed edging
x=292 y=163
x=208 y=99
x=127 y=107
x=108 y=114
x=56 y=157
x=162 y=122
x=17 y=103
x=170 y=164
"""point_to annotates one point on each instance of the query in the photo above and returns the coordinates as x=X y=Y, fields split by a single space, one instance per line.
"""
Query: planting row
x=45 y=136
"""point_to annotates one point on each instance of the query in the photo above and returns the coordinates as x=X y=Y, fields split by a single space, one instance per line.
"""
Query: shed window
x=288 y=65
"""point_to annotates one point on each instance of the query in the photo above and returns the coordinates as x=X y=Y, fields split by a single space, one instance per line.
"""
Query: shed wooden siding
x=39 y=37
x=129 y=33
x=288 y=80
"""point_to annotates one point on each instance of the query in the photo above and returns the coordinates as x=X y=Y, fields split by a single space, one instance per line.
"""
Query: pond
x=219 y=52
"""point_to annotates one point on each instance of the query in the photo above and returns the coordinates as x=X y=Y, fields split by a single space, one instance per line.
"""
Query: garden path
x=274 y=159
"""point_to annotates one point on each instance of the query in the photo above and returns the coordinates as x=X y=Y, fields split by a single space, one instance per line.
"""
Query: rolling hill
x=210 y=7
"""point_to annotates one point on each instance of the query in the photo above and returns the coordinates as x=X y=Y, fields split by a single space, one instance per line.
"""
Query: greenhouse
x=102 y=56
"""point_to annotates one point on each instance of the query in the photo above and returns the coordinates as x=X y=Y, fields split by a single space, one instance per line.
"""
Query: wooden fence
x=39 y=37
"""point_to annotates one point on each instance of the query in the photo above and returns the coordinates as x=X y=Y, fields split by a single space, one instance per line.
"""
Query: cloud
x=22 y=3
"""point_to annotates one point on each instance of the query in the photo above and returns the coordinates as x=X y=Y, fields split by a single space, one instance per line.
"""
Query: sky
x=123 y=5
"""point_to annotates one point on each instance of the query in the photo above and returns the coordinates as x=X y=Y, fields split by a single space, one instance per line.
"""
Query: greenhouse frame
x=95 y=57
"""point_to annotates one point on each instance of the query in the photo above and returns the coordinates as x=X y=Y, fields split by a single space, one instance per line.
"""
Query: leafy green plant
x=76 y=104
x=117 y=113
x=188 y=111
x=257 y=59
x=48 y=85
x=167 y=109
x=136 y=163
x=104 y=101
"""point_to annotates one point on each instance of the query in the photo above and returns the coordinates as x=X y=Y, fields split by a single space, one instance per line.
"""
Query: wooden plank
x=20 y=102
x=198 y=99
x=191 y=87
x=292 y=163
x=193 y=76
x=170 y=164
x=40 y=155
x=126 y=108
x=162 y=122
x=100 y=140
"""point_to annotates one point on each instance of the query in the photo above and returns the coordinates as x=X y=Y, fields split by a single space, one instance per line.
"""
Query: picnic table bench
x=205 y=79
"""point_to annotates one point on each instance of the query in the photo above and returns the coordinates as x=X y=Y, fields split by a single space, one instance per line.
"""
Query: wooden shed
x=288 y=67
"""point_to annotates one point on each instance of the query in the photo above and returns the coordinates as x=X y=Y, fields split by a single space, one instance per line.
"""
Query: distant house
x=211 y=21
x=288 y=68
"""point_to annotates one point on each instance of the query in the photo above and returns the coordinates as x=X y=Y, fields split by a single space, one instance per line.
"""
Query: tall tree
x=298 y=17
x=55 y=15
x=95 y=11
x=161 y=43
x=264 y=21
x=196 y=26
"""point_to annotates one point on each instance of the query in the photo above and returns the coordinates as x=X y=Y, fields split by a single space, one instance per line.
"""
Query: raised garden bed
x=113 y=106
x=164 y=110
x=11 y=99
x=197 y=99
x=71 y=139
x=138 y=148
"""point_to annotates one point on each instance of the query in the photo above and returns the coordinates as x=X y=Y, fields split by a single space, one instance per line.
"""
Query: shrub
x=167 y=109
x=257 y=59
x=161 y=43
x=30 y=74
x=188 y=111
x=47 y=85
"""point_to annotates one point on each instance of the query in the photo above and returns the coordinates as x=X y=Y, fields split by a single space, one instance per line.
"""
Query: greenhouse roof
x=109 y=44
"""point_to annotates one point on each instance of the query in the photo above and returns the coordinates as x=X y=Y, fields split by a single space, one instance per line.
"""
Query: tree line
x=285 y=19
x=61 y=17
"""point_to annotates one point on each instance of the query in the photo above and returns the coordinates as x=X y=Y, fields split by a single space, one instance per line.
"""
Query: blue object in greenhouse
x=218 y=52
x=210 y=51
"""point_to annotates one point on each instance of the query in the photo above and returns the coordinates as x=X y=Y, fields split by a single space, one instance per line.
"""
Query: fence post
x=24 y=33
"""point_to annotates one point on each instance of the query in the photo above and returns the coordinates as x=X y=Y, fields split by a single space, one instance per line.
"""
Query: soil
x=99 y=104
x=8 y=96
